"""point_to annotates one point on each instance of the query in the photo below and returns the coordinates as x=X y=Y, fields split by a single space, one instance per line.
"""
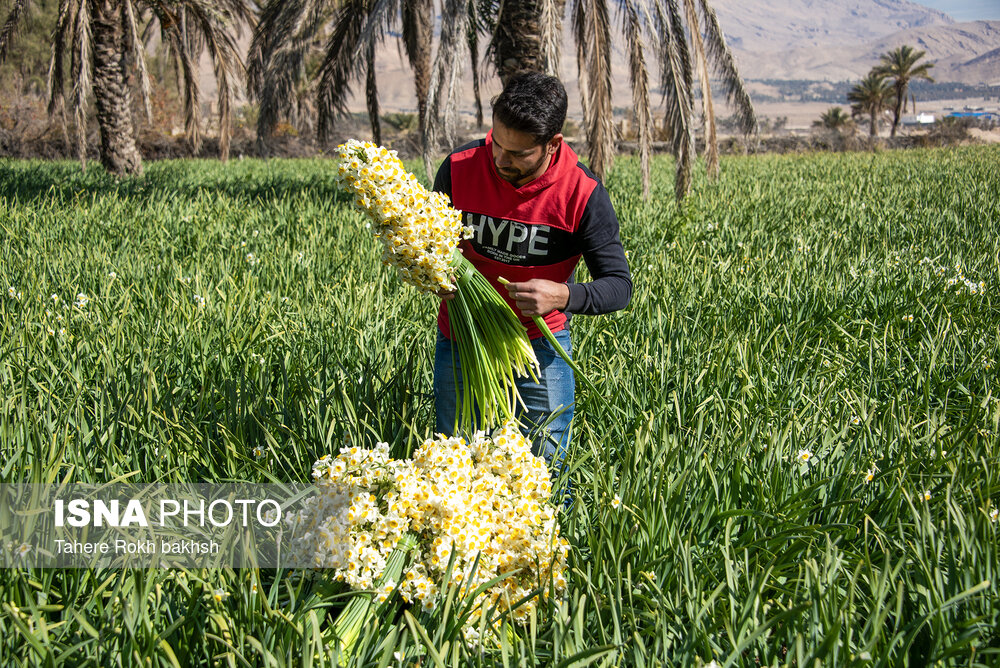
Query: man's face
x=516 y=155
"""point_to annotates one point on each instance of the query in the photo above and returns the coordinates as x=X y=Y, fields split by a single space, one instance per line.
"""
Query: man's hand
x=446 y=295
x=539 y=296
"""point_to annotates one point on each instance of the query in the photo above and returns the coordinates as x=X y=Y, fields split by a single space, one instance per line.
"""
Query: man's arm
x=601 y=247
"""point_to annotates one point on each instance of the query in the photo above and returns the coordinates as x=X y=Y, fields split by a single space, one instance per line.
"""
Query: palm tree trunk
x=371 y=95
x=112 y=97
x=897 y=108
x=477 y=95
x=517 y=45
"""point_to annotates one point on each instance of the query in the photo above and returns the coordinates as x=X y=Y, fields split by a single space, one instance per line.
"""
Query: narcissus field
x=794 y=461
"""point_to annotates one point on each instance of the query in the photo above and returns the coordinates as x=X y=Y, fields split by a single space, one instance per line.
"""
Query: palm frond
x=380 y=17
x=707 y=106
x=418 y=36
x=134 y=45
x=240 y=12
x=189 y=77
x=80 y=70
x=172 y=34
x=341 y=64
x=550 y=22
x=596 y=57
x=214 y=28
x=639 y=80
x=275 y=61
x=447 y=72
x=725 y=66
x=676 y=78
x=578 y=10
x=11 y=26
x=56 y=76
x=271 y=26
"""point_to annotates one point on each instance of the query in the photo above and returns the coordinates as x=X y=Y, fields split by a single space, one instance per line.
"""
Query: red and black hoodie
x=539 y=230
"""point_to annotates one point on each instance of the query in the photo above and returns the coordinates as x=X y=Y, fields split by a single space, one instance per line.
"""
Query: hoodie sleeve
x=442 y=180
x=611 y=287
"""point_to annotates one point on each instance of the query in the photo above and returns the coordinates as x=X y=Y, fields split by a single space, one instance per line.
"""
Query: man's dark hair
x=533 y=103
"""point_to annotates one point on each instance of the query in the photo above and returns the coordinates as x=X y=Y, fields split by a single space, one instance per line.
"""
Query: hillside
x=765 y=26
x=967 y=52
x=963 y=52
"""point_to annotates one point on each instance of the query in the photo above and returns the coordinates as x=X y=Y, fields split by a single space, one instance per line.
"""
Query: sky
x=966 y=10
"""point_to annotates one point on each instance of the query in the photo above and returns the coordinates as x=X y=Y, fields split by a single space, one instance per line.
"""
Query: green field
x=836 y=308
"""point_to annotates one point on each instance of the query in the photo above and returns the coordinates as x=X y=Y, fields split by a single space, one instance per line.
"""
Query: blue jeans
x=548 y=409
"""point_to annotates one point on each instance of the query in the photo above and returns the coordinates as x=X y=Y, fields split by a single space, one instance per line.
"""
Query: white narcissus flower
x=870 y=474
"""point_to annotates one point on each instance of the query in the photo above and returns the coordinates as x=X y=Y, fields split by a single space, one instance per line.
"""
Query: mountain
x=967 y=52
x=769 y=26
x=962 y=52
x=817 y=39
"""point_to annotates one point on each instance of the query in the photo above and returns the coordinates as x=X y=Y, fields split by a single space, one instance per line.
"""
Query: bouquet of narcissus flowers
x=420 y=231
x=473 y=515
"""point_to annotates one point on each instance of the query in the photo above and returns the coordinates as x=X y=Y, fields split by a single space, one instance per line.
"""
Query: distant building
x=919 y=119
x=981 y=115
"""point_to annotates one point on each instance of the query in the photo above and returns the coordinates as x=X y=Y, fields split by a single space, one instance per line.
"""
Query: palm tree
x=106 y=48
x=686 y=35
x=870 y=97
x=834 y=119
x=289 y=30
x=901 y=67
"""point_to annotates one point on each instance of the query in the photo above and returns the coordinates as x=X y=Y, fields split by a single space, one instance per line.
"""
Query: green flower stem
x=362 y=610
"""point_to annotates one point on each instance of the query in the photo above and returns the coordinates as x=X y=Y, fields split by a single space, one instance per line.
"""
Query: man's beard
x=512 y=176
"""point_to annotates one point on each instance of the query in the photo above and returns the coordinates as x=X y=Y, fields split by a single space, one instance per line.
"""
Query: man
x=535 y=211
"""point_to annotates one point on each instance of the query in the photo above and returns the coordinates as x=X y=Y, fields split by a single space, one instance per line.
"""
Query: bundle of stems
x=492 y=347
x=362 y=610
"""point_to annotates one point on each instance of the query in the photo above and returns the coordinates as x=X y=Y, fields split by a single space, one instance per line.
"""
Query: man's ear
x=553 y=144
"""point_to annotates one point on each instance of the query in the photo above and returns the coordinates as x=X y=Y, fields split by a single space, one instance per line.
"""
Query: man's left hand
x=539 y=296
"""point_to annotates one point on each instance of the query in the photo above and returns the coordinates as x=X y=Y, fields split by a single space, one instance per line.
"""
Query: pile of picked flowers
x=474 y=515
